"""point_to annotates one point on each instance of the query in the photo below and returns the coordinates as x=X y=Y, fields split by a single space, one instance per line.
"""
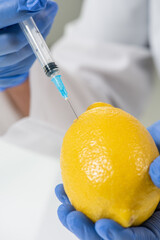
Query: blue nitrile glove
x=106 y=229
x=16 y=56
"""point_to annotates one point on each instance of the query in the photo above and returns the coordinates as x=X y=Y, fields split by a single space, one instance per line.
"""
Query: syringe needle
x=71 y=107
x=60 y=86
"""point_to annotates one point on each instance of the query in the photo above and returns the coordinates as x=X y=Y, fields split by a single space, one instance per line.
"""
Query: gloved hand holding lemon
x=105 y=161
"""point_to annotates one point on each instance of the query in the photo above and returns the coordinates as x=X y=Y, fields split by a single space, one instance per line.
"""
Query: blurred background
x=70 y=10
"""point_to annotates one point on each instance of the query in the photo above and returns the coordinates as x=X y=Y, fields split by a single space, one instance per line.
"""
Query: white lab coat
x=104 y=56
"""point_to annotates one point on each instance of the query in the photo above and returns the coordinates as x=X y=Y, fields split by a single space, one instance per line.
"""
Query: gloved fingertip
x=154 y=171
x=76 y=220
x=79 y=224
x=61 y=195
x=59 y=187
x=108 y=229
x=54 y=6
x=32 y=6
x=63 y=212
x=49 y=13
x=82 y=226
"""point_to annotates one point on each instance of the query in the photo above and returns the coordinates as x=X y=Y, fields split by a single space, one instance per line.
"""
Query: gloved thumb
x=154 y=130
x=154 y=171
x=15 y=11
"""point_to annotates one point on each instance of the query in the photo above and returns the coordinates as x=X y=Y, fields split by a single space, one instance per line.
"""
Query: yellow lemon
x=105 y=160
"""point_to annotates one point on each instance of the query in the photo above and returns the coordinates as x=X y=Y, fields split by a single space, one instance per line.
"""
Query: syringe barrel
x=42 y=52
x=37 y=43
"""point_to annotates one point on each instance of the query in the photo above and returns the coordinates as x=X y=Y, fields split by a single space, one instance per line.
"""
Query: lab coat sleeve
x=105 y=53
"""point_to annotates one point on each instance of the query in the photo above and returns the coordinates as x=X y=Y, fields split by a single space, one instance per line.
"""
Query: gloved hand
x=106 y=229
x=16 y=56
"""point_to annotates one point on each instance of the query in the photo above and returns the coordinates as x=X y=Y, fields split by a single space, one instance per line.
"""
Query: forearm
x=20 y=97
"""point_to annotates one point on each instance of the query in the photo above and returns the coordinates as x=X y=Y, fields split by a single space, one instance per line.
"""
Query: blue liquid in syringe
x=60 y=86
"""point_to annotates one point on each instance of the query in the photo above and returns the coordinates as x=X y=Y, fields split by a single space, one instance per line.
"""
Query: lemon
x=105 y=160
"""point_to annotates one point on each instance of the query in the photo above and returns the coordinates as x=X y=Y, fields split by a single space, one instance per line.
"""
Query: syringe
x=44 y=56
